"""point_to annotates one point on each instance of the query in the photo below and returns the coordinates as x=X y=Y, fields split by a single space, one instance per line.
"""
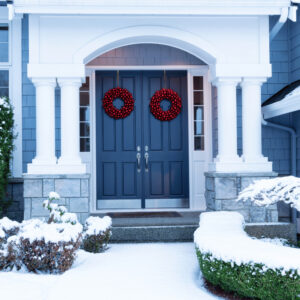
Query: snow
x=266 y=192
x=54 y=195
x=6 y=224
x=96 y=225
x=35 y=229
x=127 y=271
x=222 y=235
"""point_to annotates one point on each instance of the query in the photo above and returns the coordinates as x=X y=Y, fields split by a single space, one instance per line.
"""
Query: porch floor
x=167 y=218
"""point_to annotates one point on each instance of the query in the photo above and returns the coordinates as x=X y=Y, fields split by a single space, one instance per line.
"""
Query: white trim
x=199 y=159
x=153 y=7
x=132 y=35
x=287 y=105
x=206 y=156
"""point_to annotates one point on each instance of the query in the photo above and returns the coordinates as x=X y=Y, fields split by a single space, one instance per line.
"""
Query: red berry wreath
x=165 y=94
x=111 y=110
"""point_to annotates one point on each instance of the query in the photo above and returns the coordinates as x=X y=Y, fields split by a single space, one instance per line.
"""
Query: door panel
x=163 y=178
x=168 y=145
x=116 y=144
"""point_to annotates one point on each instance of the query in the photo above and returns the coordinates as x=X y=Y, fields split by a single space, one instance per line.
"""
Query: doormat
x=160 y=214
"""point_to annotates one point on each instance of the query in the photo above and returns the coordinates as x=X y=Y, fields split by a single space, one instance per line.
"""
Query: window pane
x=3 y=33
x=4 y=92
x=84 y=129
x=3 y=52
x=3 y=78
x=198 y=98
x=199 y=128
x=84 y=99
x=84 y=113
x=84 y=145
x=198 y=83
x=198 y=113
x=199 y=143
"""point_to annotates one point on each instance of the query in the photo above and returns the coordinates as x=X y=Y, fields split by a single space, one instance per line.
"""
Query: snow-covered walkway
x=124 y=272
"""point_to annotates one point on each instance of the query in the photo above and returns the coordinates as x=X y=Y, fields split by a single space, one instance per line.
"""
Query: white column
x=252 y=125
x=70 y=161
x=45 y=159
x=227 y=122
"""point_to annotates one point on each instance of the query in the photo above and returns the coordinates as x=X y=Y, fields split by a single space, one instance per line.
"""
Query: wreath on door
x=172 y=112
x=111 y=110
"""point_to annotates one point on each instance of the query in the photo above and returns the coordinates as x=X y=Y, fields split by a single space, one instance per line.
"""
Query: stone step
x=184 y=233
x=144 y=234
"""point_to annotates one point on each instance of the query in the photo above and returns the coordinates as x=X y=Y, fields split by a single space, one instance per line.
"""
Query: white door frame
x=200 y=157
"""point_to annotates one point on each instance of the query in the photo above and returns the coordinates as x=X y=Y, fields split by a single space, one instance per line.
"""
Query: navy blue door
x=141 y=161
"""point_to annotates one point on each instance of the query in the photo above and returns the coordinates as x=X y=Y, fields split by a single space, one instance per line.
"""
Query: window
x=85 y=116
x=198 y=113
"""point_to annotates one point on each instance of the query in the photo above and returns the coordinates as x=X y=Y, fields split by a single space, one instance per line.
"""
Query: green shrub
x=96 y=243
x=96 y=234
x=250 y=280
x=6 y=149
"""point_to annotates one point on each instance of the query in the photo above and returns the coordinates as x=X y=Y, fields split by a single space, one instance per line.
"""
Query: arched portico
x=168 y=36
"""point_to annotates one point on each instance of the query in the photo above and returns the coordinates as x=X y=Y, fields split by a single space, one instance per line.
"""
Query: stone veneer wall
x=73 y=189
x=14 y=193
x=221 y=191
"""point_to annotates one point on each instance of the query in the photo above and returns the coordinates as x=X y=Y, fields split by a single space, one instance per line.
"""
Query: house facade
x=222 y=58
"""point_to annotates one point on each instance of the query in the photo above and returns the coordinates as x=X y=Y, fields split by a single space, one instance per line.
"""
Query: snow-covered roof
x=287 y=100
x=203 y=7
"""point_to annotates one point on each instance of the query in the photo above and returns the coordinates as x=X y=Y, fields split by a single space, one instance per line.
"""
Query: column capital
x=253 y=81
x=221 y=81
x=76 y=81
x=51 y=82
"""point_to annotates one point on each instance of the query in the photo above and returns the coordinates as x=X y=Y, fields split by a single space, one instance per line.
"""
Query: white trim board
x=197 y=202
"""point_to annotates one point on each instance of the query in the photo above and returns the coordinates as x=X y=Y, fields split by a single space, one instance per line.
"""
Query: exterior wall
x=28 y=103
x=276 y=143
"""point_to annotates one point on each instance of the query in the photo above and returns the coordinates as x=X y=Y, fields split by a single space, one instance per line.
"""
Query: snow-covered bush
x=8 y=249
x=49 y=247
x=266 y=192
x=229 y=258
x=39 y=246
x=96 y=235
x=58 y=213
x=6 y=149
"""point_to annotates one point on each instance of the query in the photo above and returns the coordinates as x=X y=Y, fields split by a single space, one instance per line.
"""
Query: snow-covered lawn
x=124 y=272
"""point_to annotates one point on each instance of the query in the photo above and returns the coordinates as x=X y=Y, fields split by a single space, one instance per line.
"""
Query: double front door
x=142 y=162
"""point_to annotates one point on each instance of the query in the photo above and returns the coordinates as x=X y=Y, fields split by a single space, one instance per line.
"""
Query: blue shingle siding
x=146 y=54
x=28 y=102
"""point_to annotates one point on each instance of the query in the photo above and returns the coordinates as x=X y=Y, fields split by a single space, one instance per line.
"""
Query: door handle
x=138 y=158
x=146 y=162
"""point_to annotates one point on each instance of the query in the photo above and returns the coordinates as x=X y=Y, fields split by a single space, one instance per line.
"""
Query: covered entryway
x=142 y=162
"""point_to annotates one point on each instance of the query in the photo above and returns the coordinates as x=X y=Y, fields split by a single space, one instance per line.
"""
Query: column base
x=222 y=190
x=71 y=166
x=79 y=168
x=42 y=166
x=241 y=166
x=74 y=191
